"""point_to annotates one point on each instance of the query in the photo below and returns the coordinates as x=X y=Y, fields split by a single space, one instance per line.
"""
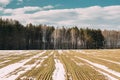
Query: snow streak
x=59 y=72
x=11 y=68
x=103 y=68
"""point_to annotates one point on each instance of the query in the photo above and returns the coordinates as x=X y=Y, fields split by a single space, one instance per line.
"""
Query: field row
x=60 y=65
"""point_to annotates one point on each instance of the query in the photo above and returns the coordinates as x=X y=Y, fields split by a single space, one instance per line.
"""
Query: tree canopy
x=14 y=35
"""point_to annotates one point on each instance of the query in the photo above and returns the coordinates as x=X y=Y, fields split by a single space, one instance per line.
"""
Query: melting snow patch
x=59 y=73
x=40 y=63
x=4 y=62
x=60 y=52
x=43 y=58
x=79 y=64
x=27 y=78
x=101 y=67
x=107 y=75
x=11 y=68
x=82 y=52
x=110 y=61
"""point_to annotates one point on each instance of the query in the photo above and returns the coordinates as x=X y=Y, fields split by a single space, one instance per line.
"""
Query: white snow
x=101 y=67
x=6 y=54
x=29 y=67
x=43 y=58
x=12 y=67
x=107 y=75
x=110 y=61
x=60 y=52
x=27 y=78
x=41 y=61
x=4 y=62
x=79 y=64
x=13 y=52
x=59 y=72
x=82 y=52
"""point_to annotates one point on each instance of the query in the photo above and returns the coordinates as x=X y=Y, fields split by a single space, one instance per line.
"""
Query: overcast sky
x=103 y=14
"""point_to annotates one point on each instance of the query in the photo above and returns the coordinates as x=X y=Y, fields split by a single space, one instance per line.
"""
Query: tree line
x=111 y=38
x=14 y=36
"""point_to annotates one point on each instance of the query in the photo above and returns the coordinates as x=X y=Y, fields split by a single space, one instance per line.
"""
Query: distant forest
x=15 y=36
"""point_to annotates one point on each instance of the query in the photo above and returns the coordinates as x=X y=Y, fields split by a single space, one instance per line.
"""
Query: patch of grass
x=76 y=69
x=96 y=59
x=16 y=58
x=43 y=72
x=82 y=72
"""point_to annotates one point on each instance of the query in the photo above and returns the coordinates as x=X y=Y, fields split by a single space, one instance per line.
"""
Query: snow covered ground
x=59 y=72
x=60 y=52
x=110 y=61
x=103 y=68
x=11 y=68
x=65 y=64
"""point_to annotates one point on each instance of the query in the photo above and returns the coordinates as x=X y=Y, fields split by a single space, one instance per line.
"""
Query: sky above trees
x=103 y=14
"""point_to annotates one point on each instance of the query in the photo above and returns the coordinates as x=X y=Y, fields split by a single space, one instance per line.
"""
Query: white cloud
x=94 y=17
x=21 y=10
x=1 y=9
x=3 y=3
x=48 y=7
x=26 y=9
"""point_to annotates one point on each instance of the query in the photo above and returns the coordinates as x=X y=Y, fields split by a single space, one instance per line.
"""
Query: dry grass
x=13 y=58
x=42 y=72
x=76 y=69
x=80 y=71
x=97 y=59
